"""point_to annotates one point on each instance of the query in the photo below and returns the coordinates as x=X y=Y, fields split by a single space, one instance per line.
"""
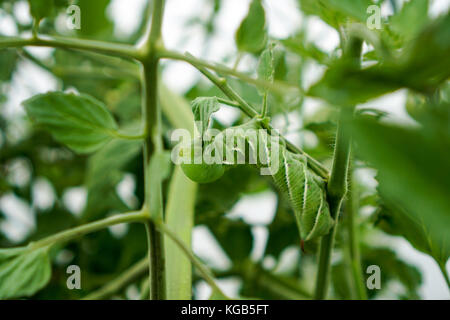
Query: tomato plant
x=112 y=117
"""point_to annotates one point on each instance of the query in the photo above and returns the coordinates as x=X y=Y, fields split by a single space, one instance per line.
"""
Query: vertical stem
x=336 y=189
x=351 y=210
x=337 y=185
x=153 y=145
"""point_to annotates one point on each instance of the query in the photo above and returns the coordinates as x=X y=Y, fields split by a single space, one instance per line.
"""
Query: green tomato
x=202 y=172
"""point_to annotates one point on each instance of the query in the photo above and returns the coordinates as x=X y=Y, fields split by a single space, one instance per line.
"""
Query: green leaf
x=176 y=109
x=414 y=175
x=335 y=12
x=179 y=218
x=422 y=66
x=79 y=121
x=95 y=20
x=252 y=33
x=283 y=230
x=393 y=269
x=266 y=64
x=203 y=108
x=414 y=10
x=395 y=221
x=8 y=61
x=40 y=9
x=234 y=236
x=217 y=295
x=180 y=208
x=356 y=9
x=23 y=272
x=299 y=44
x=104 y=171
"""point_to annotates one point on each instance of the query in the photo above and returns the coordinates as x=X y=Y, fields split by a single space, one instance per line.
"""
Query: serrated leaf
x=79 y=121
x=395 y=221
x=203 y=108
x=414 y=175
x=252 y=33
x=23 y=272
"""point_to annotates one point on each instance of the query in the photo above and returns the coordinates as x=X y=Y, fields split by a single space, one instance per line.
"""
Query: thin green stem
x=153 y=145
x=156 y=262
x=203 y=269
x=336 y=189
x=127 y=277
x=228 y=102
x=113 y=49
x=128 y=137
x=351 y=210
x=35 y=28
x=83 y=72
x=77 y=232
x=276 y=86
x=337 y=185
x=221 y=83
x=264 y=105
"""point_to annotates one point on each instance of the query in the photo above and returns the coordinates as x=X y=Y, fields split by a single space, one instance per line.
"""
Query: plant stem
x=336 y=189
x=228 y=102
x=127 y=137
x=120 y=282
x=264 y=105
x=153 y=144
x=113 y=49
x=353 y=237
x=221 y=83
x=276 y=86
x=337 y=185
x=71 y=234
x=156 y=262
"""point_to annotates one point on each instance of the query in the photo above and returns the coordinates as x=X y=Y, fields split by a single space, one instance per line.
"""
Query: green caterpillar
x=303 y=188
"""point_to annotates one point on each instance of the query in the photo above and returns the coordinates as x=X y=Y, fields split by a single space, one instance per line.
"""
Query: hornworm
x=304 y=189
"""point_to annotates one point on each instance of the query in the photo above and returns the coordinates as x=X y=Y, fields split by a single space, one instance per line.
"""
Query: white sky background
x=258 y=210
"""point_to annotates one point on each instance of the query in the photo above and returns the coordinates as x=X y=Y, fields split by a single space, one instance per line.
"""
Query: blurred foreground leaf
x=414 y=175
